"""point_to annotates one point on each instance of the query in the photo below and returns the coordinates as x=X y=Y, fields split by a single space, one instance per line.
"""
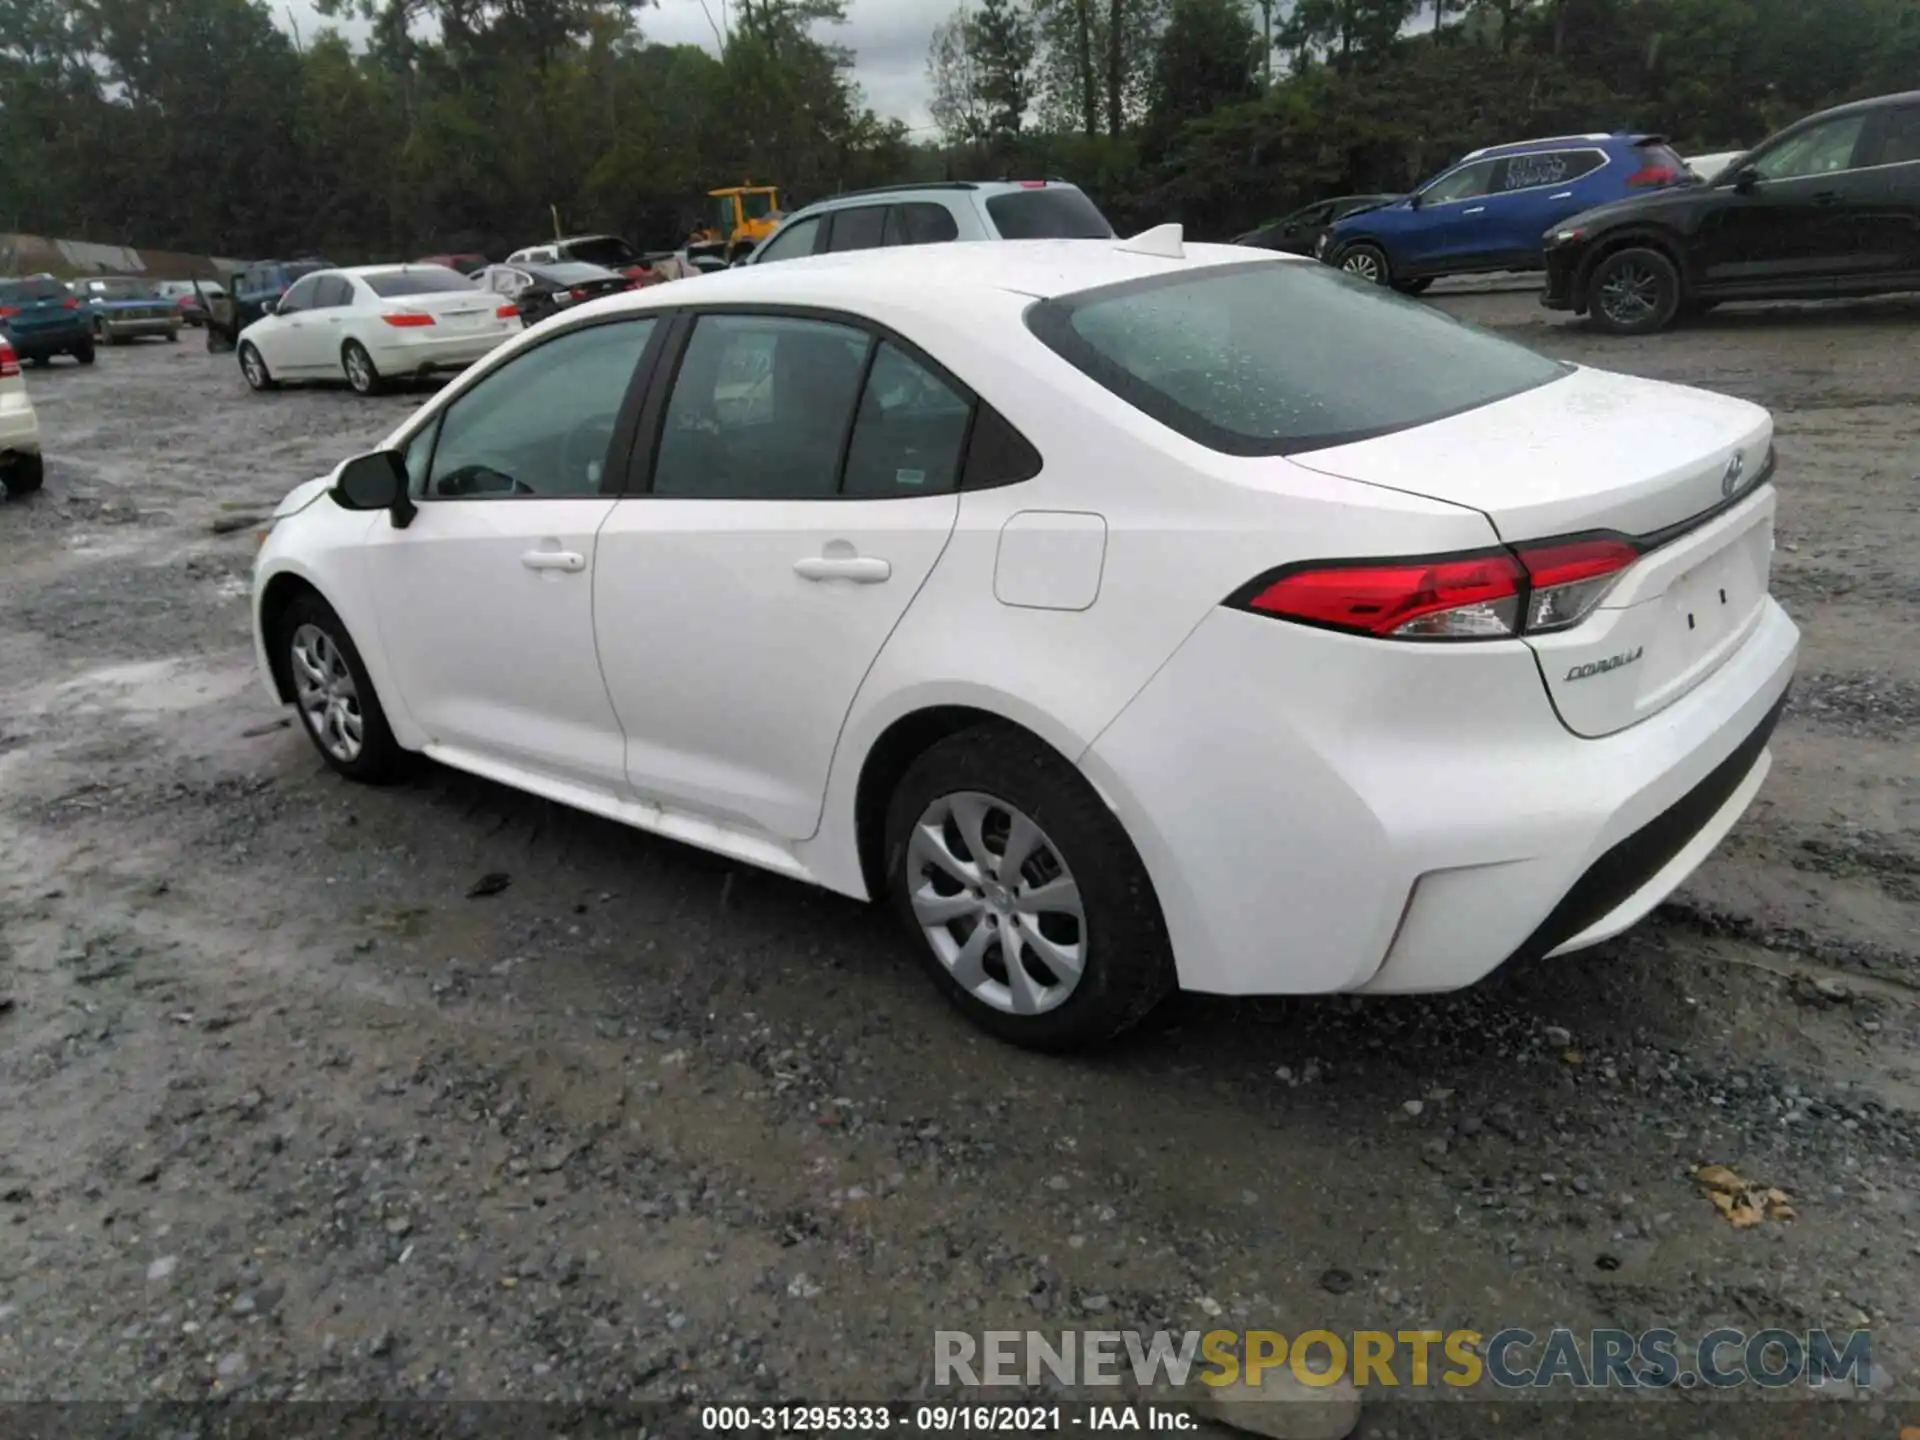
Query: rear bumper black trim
x=1622 y=870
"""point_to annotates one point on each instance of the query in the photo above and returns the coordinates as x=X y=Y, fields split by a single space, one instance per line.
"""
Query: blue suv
x=1491 y=210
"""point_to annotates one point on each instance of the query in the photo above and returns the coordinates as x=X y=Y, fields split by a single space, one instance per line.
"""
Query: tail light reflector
x=406 y=319
x=7 y=312
x=506 y=312
x=9 y=362
x=1648 y=176
x=1481 y=595
x=72 y=302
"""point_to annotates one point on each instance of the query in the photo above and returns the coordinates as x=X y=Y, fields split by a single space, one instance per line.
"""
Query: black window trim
x=626 y=419
x=644 y=455
x=1051 y=323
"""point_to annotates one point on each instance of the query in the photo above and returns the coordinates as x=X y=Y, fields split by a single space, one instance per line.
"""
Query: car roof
x=926 y=277
x=987 y=188
x=1872 y=102
x=363 y=271
x=1595 y=137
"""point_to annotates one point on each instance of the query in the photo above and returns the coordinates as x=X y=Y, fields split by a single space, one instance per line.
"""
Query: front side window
x=791 y=243
x=1818 y=150
x=1466 y=183
x=1272 y=359
x=864 y=228
x=760 y=409
x=542 y=423
x=910 y=433
x=300 y=296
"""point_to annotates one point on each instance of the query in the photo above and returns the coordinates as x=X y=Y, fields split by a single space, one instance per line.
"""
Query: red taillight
x=406 y=318
x=1651 y=175
x=7 y=312
x=72 y=302
x=1033 y=184
x=9 y=362
x=506 y=312
x=1485 y=595
x=580 y=292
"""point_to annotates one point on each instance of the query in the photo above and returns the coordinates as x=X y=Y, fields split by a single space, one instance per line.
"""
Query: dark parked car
x=127 y=307
x=542 y=290
x=469 y=262
x=41 y=318
x=246 y=293
x=1828 y=207
x=1297 y=233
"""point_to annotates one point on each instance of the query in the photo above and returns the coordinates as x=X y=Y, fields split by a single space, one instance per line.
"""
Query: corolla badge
x=1601 y=667
x=1730 y=481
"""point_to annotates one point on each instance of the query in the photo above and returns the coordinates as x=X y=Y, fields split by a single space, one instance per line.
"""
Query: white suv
x=942 y=210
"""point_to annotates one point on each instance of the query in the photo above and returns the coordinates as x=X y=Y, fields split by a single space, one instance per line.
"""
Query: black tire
x=25 y=474
x=363 y=377
x=253 y=367
x=1127 y=960
x=40 y=362
x=1414 y=287
x=1635 y=291
x=173 y=337
x=379 y=760
x=1365 y=261
x=84 y=353
x=99 y=330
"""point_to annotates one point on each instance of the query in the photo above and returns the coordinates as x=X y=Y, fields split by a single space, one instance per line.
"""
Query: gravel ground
x=284 y=1111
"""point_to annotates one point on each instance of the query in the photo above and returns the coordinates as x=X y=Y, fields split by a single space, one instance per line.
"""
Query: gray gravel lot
x=284 y=1112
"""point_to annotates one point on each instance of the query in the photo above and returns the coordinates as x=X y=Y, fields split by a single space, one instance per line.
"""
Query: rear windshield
x=124 y=289
x=1277 y=357
x=564 y=274
x=35 y=289
x=608 y=250
x=427 y=280
x=1058 y=212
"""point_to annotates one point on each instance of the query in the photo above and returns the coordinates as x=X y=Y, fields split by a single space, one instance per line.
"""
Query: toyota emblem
x=1730 y=481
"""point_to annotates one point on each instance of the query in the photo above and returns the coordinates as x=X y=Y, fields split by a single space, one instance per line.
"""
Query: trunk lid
x=1679 y=471
x=455 y=309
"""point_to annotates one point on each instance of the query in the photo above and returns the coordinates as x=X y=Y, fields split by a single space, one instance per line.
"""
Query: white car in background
x=1130 y=615
x=373 y=323
x=20 y=465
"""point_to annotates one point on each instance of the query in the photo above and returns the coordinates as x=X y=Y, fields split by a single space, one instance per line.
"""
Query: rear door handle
x=1563 y=195
x=571 y=561
x=1827 y=197
x=861 y=569
x=1476 y=210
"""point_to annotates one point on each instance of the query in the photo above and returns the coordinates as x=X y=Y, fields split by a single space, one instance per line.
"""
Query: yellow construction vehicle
x=740 y=218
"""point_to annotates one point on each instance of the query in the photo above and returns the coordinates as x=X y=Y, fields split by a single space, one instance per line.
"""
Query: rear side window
x=1276 y=358
x=1054 y=213
x=38 y=289
x=1899 y=142
x=609 y=251
x=920 y=223
x=428 y=280
x=909 y=432
x=332 y=291
x=864 y=228
x=1549 y=167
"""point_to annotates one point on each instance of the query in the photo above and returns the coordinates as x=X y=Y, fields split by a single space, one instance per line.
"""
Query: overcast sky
x=888 y=37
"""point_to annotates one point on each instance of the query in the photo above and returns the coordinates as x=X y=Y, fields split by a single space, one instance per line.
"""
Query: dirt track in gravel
x=284 y=1112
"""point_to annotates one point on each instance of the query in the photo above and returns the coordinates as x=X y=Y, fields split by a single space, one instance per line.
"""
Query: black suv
x=1828 y=207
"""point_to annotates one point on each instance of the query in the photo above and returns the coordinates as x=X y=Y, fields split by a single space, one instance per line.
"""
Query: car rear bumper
x=19 y=426
x=1352 y=816
x=140 y=325
x=48 y=340
x=406 y=355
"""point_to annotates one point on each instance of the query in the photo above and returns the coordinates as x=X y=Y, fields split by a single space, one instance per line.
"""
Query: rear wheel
x=1028 y=903
x=254 y=367
x=41 y=361
x=173 y=337
x=338 y=707
x=25 y=474
x=360 y=370
x=83 y=352
x=1366 y=262
x=1634 y=292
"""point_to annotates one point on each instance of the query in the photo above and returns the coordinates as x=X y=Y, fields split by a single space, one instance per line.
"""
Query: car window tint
x=1549 y=167
x=300 y=296
x=862 y=228
x=793 y=242
x=1899 y=136
x=1052 y=212
x=910 y=432
x=607 y=251
x=1462 y=184
x=332 y=291
x=1266 y=358
x=38 y=288
x=759 y=409
x=920 y=222
x=1818 y=150
x=418 y=456
x=426 y=280
x=541 y=424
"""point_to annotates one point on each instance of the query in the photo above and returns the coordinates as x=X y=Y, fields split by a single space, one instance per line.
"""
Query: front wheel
x=254 y=366
x=1028 y=903
x=338 y=707
x=1368 y=263
x=83 y=352
x=173 y=337
x=26 y=475
x=1634 y=292
x=359 y=367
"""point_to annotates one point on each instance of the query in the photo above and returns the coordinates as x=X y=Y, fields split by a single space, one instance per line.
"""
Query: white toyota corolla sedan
x=371 y=324
x=1130 y=615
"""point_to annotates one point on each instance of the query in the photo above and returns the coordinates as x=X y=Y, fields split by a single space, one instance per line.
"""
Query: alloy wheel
x=1362 y=266
x=359 y=369
x=996 y=901
x=254 y=367
x=1630 y=294
x=329 y=700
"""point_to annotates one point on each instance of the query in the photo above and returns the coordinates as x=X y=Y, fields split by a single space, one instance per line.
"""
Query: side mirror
x=1744 y=179
x=269 y=307
x=1413 y=201
x=375 y=481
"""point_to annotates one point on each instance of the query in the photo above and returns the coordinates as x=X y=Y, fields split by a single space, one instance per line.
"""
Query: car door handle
x=571 y=561
x=1476 y=210
x=861 y=569
x=1827 y=197
x=1562 y=195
